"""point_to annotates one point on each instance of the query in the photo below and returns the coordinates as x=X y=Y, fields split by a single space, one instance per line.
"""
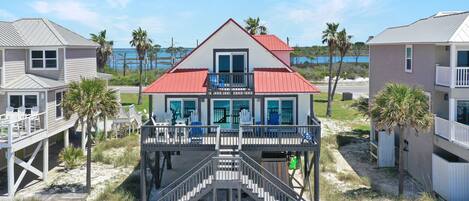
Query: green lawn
x=128 y=99
x=341 y=110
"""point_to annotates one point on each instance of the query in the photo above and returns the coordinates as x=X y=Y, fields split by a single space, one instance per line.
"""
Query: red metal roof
x=267 y=80
x=273 y=43
x=180 y=81
x=277 y=81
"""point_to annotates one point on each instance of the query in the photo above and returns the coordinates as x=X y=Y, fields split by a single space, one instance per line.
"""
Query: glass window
x=282 y=110
x=221 y=113
x=408 y=58
x=16 y=101
x=176 y=108
x=223 y=63
x=463 y=112
x=287 y=112
x=58 y=104
x=238 y=105
x=27 y=101
x=189 y=107
x=463 y=58
x=44 y=59
x=238 y=63
x=231 y=62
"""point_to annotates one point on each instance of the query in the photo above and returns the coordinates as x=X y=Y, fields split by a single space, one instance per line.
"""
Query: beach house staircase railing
x=228 y=168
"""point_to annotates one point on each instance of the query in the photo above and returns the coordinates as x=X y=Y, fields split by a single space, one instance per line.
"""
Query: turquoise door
x=221 y=113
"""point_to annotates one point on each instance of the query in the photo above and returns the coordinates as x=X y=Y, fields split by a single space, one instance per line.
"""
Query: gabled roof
x=29 y=81
x=31 y=32
x=220 y=28
x=267 y=81
x=273 y=43
x=440 y=28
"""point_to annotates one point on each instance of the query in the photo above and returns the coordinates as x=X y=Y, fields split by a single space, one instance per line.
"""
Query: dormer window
x=43 y=59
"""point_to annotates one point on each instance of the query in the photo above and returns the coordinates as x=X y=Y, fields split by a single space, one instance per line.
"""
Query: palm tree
x=253 y=26
x=89 y=99
x=343 y=46
x=399 y=106
x=153 y=55
x=329 y=37
x=104 y=49
x=357 y=49
x=142 y=43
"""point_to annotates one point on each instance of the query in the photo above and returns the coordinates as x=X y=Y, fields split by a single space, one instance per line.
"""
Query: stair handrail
x=266 y=180
x=275 y=179
x=191 y=172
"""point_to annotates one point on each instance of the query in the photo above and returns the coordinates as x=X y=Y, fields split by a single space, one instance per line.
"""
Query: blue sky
x=187 y=21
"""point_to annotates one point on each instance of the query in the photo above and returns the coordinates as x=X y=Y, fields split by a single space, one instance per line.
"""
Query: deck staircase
x=228 y=168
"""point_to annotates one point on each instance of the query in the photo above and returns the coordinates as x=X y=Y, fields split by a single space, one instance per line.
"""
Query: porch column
x=452 y=117
x=143 y=176
x=66 y=138
x=45 y=158
x=316 y=175
x=453 y=64
x=10 y=156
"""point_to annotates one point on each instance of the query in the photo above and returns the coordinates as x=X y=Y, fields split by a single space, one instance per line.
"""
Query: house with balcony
x=431 y=53
x=38 y=58
x=236 y=107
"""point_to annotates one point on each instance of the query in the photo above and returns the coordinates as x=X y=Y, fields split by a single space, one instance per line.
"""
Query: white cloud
x=118 y=3
x=68 y=10
x=5 y=15
x=312 y=15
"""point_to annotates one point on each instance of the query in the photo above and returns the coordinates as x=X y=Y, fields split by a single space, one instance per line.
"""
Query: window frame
x=44 y=59
x=411 y=58
x=231 y=53
x=294 y=110
x=23 y=95
x=168 y=104
x=212 y=110
x=457 y=54
x=62 y=93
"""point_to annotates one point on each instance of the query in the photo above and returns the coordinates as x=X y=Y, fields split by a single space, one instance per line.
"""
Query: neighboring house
x=432 y=53
x=235 y=93
x=38 y=58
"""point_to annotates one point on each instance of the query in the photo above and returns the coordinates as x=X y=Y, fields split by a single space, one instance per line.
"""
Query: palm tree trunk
x=337 y=77
x=401 y=161
x=88 y=156
x=105 y=129
x=140 y=84
x=329 y=100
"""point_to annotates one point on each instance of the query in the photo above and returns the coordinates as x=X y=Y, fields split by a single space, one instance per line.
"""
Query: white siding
x=303 y=108
x=231 y=37
x=450 y=179
x=56 y=125
x=80 y=63
x=158 y=104
x=15 y=62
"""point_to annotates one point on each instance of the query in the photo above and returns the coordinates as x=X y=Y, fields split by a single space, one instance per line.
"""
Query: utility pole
x=288 y=41
x=172 y=52
x=197 y=43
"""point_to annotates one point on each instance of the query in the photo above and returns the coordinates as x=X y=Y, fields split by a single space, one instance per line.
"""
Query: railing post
x=28 y=125
x=452 y=115
x=453 y=64
x=240 y=140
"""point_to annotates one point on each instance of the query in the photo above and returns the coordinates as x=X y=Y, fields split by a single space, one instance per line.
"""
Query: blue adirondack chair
x=215 y=82
x=196 y=134
x=274 y=119
x=308 y=137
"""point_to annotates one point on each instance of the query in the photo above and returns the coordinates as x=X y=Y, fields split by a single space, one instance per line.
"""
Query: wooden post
x=316 y=175
x=45 y=158
x=66 y=138
x=11 y=172
x=156 y=174
x=169 y=164
x=143 y=176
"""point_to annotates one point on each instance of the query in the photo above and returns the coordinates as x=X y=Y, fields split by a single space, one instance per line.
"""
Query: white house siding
x=80 y=62
x=450 y=179
x=15 y=62
x=283 y=55
x=303 y=108
x=158 y=104
x=56 y=125
x=231 y=37
x=52 y=74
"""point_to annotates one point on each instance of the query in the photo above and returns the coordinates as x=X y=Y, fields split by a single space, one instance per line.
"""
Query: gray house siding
x=52 y=74
x=387 y=65
x=56 y=125
x=81 y=62
x=15 y=62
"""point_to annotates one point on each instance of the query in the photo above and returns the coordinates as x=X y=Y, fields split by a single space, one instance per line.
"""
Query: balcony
x=18 y=131
x=450 y=178
x=444 y=78
x=453 y=131
x=230 y=84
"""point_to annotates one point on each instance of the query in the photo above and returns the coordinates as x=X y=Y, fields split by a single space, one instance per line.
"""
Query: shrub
x=71 y=157
x=112 y=194
x=129 y=157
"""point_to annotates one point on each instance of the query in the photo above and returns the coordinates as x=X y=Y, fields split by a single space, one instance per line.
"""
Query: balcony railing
x=230 y=83
x=16 y=127
x=461 y=76
x=453 y=131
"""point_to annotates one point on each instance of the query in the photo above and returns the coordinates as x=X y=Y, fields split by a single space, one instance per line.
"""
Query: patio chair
x=245 y=117
x=196 y=133
x=308 y=137
x=35 y=121
x=215 y=82
x=274 y=119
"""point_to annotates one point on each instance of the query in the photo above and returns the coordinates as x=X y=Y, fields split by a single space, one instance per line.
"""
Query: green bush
x=112 y=194
x=71 y=157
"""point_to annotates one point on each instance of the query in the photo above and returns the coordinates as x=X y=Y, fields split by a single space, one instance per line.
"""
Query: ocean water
x=164 y=61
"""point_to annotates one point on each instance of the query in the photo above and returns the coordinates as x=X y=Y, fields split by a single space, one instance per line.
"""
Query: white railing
x=443 y=76
x=452 y=131
x=13 y=127
x=462 y=77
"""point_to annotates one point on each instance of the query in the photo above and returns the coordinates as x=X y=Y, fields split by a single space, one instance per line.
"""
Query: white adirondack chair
x=245 y=117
